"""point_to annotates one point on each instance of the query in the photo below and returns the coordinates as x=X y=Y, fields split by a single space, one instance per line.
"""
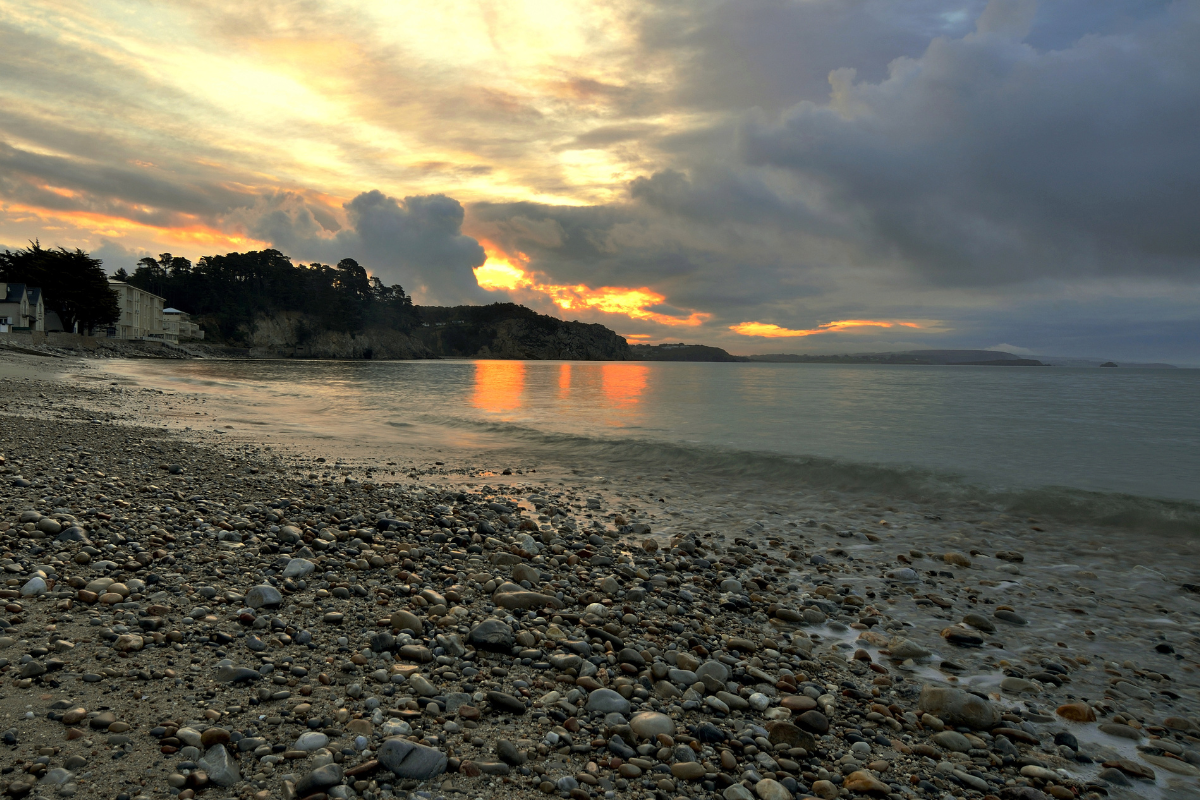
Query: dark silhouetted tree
x=73 y=283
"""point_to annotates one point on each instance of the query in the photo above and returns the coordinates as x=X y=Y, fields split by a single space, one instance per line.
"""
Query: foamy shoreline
x=1098 y=607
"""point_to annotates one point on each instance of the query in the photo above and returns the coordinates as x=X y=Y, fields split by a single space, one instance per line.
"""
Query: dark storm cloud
x=986 y=160
x=416 y=242
x=105 y=187
x=980 y=161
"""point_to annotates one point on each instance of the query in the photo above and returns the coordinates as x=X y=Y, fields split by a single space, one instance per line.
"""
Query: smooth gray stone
x=232 y=674
x=956 y=707
x=491 y=634
x=606 y=701
x=298 y=568
x=319 y=780
x=410 y=760
x=264 y=596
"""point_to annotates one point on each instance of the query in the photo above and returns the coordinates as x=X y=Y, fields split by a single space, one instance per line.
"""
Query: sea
x=1109 y=447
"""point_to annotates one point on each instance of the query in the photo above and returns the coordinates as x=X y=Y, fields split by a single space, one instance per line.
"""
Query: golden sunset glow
x=770 y=331
x=503 y=273
x=499 y=385
x=114 y=226
x=564 y=381
x=623 y=384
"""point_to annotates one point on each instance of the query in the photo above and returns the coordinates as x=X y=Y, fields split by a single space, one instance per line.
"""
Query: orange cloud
x=500 y=273
x=770 y=331
x=117 y=227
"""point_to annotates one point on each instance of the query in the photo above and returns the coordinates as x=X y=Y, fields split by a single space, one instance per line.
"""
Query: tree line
x=228 y=291
x=73 y=283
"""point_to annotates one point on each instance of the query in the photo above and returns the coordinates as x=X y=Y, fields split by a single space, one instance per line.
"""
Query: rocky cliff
x=495 y=331
x=293 y=335
x=506 y=330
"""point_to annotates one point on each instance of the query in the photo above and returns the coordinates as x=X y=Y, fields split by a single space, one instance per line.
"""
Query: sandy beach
x=191 y=613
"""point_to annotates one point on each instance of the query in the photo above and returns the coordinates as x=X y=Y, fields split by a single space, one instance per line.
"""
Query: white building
x=141 y=313
x=178 y=325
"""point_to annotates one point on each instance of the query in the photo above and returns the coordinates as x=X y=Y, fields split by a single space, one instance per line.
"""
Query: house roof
x=34 y=296
x=136 y=288
x=14 y=293
x=172 y=311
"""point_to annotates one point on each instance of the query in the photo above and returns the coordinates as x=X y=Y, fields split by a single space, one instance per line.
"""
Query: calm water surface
x=1130 y=432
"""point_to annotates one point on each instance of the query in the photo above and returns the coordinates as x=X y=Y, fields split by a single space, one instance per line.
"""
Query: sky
x=804 y=176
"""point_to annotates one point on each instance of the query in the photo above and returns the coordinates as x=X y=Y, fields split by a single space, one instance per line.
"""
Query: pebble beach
x=190 y=614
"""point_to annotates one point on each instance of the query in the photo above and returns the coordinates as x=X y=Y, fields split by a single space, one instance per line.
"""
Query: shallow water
x=1115 y=446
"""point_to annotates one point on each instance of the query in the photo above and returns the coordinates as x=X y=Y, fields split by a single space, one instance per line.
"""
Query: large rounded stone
x=956 y=707
x=649 y=724
x=491 y=634
x=791 y=735
x=952 y=740
x=298 y=568
x=866 y=783
x=814 y=721
x=264 y=596
x=411 y=760
x=688 y=770
x=308 y=742
x=319 y=780
x=36 y=587
x=407 y=621
x=769 y=789
x=524 y=572
x=525 y=600
x=607 y=701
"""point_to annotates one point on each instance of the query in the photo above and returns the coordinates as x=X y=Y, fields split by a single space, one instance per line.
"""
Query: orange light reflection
x=623 y=384
x=564 y=381
x=499 y=385
x=771 y=331
x=500 y=273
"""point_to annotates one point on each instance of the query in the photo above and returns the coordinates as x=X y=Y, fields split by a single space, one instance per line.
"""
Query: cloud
x=114 y=256
x=417 y=241
x=1017 y=171
x=986 y=161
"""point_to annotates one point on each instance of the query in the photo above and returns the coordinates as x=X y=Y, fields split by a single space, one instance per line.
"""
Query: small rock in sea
x=1076 y=712
x=956 y=707
x=904 y=575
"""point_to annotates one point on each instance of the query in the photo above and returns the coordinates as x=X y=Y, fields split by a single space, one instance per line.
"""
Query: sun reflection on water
x=499 y=385
x=623 y=384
